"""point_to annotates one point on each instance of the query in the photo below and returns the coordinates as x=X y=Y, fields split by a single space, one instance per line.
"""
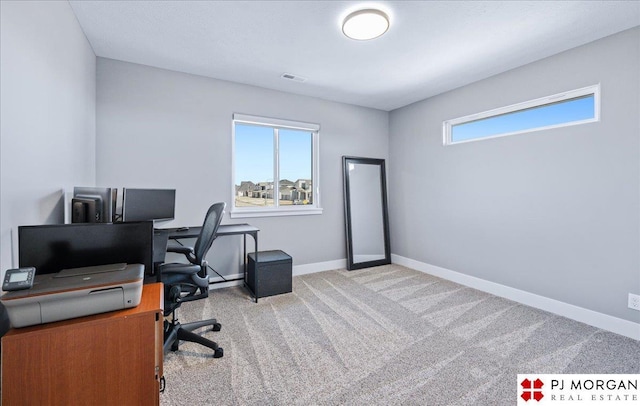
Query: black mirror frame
x=346 y=160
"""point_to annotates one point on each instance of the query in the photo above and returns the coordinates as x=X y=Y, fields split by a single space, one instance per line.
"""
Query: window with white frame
x=574 y=107
x=275 y=167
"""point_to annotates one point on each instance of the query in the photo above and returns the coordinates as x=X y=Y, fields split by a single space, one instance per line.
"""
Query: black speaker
x=269 y=273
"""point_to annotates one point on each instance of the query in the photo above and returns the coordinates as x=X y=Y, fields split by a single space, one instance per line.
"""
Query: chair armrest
x=179 y=273
x=178 y=268
x=180 y=249
x=188 y=252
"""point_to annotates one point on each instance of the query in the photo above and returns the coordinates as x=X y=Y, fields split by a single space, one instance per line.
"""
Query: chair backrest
x=209 y=229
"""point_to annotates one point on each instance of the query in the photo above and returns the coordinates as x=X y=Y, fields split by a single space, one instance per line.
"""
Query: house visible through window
x=570 y=108
x=275 y=167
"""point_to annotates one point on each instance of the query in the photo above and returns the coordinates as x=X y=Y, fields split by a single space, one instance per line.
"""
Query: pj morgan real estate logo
x=578 y=389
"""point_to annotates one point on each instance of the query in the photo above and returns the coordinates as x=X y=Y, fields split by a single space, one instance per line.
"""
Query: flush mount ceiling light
x=365 y=24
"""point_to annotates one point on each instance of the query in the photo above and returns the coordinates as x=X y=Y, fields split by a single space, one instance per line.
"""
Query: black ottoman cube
x=269 y=273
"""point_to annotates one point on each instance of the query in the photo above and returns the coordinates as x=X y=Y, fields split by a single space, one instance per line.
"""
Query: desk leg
x=255 y=238
x=244 y=253
x=246 y=281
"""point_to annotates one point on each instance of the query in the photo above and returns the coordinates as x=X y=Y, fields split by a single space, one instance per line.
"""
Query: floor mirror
x=366 y=217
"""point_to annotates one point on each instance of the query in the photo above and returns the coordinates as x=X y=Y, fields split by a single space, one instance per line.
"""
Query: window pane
x=275 y=167
x=567 y=111
x=254 y=166
x=296 y=167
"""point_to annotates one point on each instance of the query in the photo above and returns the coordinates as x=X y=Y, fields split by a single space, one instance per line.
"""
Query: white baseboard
x=319 y=267
x=218 y=284
x=596 y=319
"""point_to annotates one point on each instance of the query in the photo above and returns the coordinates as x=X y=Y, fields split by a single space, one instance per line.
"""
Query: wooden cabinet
x=110 y=358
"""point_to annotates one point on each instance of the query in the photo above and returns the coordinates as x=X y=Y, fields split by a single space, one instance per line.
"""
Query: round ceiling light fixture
x=365 y=24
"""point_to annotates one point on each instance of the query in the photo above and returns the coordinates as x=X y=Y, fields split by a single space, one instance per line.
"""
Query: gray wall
x=555 y=213
x=47 y=102
x=158 y=128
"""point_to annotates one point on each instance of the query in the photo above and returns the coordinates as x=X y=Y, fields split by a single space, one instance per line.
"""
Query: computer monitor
x=148 y=204
x=93 y=204
x=52 y=248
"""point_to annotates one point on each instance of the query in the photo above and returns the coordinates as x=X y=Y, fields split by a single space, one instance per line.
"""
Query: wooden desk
x=110 y=358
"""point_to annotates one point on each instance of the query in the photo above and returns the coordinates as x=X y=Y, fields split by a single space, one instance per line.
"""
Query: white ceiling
x=431 y=47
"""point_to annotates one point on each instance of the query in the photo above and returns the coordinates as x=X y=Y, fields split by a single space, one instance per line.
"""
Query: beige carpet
x=380 y=336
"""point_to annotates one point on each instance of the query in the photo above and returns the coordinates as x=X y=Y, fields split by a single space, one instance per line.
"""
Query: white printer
x=74 y=293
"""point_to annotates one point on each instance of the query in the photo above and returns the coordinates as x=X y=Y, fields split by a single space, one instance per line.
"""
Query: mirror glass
x=367 y=226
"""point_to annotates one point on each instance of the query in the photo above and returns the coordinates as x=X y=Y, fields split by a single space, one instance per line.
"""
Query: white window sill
x=239 y=213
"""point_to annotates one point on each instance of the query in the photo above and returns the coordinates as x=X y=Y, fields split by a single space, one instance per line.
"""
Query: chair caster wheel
x=217 y=327
x=218 y=353
x=174 y=347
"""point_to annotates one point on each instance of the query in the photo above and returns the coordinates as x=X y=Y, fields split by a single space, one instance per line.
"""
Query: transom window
x=569 y=108
x=275 y=166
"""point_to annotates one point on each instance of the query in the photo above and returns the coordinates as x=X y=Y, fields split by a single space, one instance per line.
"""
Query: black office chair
x=184 y=282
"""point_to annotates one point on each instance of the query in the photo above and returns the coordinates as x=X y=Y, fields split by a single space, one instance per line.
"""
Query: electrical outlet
x=634 y=301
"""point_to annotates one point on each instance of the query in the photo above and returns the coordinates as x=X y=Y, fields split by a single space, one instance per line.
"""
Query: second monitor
x=148 y=204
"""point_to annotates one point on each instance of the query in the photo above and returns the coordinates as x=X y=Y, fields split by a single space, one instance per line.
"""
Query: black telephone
x=18 y=279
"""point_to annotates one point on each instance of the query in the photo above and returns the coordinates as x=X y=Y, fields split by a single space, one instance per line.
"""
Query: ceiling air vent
x=295 y=78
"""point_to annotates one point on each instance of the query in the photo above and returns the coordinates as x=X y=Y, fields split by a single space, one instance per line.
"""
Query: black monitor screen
x=148 y=204
x=51 y=248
